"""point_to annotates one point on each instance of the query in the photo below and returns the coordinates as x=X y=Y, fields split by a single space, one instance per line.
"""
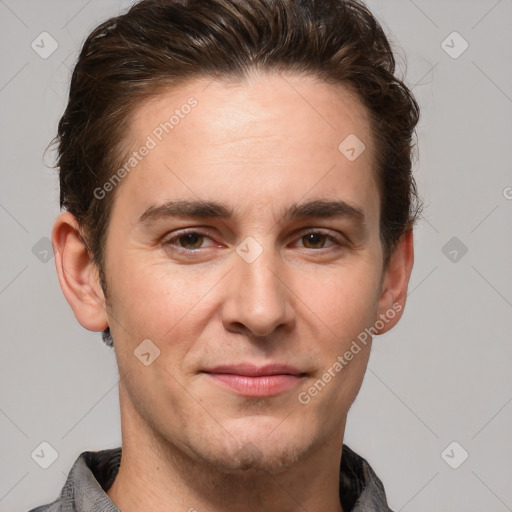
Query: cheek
x=154 y=301
x=347 y=301
x=348 y=307
x=173 y=306
x=157 y=303
x=149 y=287
x=345 y=306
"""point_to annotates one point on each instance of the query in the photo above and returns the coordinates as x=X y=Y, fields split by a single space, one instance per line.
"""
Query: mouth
x=256 y=381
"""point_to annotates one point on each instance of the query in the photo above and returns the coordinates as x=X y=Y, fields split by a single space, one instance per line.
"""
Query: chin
x=256 y=445
x=252 y=459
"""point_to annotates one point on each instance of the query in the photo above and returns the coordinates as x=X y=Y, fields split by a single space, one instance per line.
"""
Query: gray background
x=442 y=375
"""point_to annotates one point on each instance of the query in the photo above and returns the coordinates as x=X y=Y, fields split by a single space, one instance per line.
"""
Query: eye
x=188 y=241
x=315 y=238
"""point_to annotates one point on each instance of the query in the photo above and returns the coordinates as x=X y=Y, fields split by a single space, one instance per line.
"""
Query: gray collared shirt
x=94 y=472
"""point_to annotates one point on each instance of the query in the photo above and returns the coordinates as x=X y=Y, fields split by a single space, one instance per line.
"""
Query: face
x=252 y=288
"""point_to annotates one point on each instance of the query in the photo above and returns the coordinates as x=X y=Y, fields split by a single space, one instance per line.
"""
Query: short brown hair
x=158 y=44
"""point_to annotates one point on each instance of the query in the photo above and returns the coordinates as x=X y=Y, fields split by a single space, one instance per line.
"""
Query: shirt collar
x=360 y=488
x=94 y=472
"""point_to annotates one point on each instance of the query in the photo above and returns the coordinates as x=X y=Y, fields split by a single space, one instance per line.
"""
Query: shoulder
x=92 y=473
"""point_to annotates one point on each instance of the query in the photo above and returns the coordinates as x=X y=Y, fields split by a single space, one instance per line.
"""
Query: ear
x=78 y=275
x=395 y=282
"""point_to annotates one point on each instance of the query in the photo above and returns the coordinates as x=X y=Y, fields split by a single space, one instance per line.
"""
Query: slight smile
x=253 y=381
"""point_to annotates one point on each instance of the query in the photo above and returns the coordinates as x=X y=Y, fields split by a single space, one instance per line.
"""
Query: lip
x=256 y=381
x=251 y=370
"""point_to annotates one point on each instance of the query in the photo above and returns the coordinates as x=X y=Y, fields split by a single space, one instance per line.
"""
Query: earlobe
x=395 y=282
x=77 y=274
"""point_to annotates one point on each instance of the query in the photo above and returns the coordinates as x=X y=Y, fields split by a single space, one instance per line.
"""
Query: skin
x=257 y=146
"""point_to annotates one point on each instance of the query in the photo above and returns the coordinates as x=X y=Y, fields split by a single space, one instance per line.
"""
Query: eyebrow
x=212 y=209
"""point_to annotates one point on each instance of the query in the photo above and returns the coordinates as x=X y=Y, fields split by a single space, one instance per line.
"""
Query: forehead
x=251 y=144
x=271 y=105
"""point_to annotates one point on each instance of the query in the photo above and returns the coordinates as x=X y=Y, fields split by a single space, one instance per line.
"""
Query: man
x=240 y=203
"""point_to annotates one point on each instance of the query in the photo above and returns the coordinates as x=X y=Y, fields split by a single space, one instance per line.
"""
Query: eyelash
x=169 y=242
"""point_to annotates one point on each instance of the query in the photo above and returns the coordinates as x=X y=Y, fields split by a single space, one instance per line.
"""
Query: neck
x=157 y=475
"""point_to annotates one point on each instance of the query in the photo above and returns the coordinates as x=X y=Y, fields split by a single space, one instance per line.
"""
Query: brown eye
x=313 y=239
x=191 y=239
x=188 y=242
x=317 y=240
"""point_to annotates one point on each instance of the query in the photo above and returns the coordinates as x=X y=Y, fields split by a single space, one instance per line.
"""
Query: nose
x=258 y=297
